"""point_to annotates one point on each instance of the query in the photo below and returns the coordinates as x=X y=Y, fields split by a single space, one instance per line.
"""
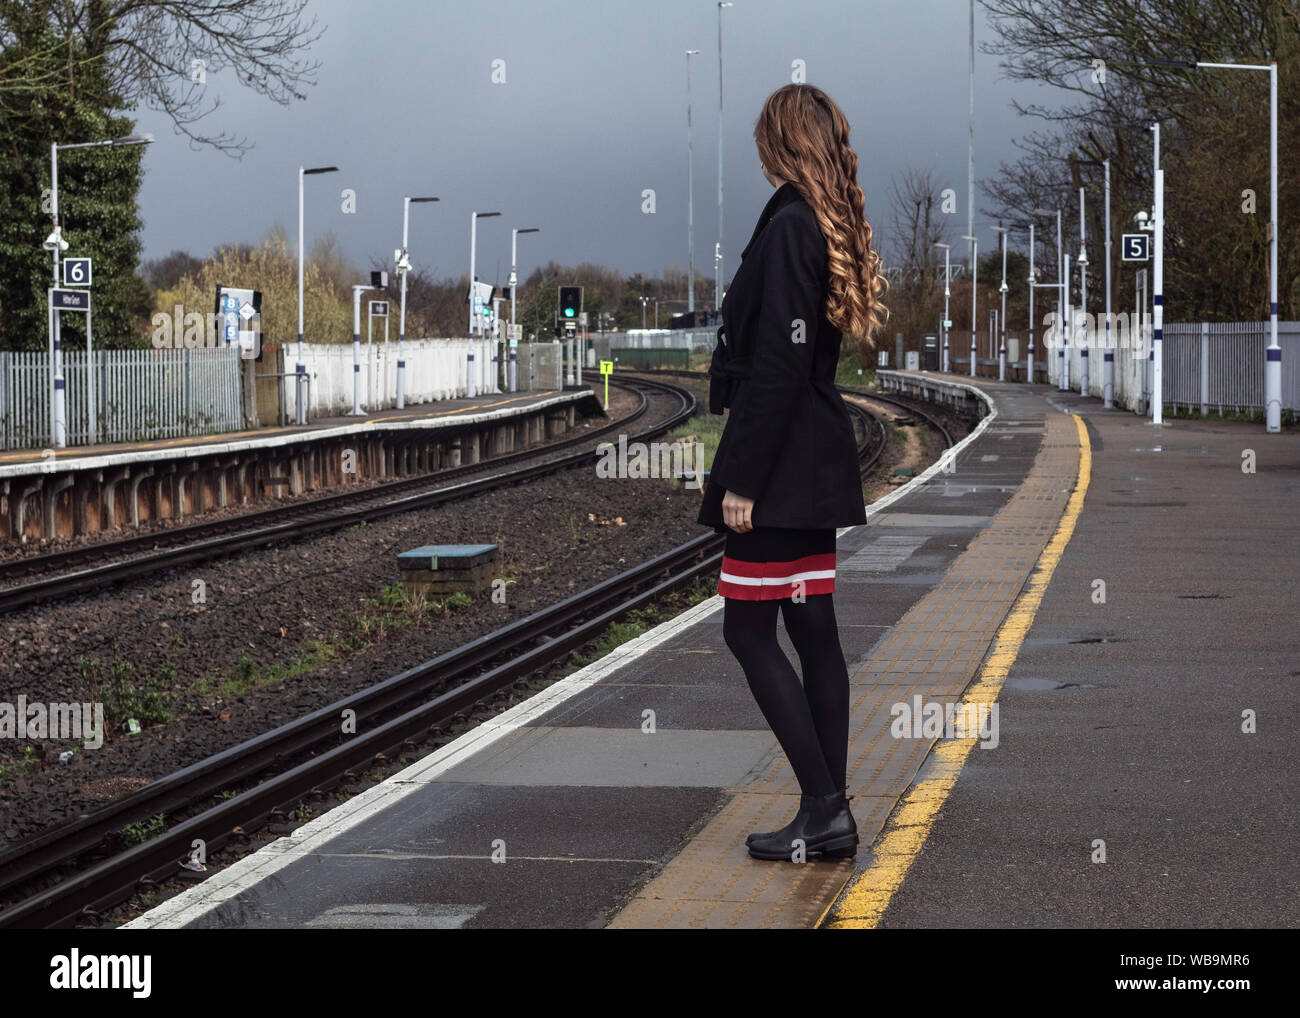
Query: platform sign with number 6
x=76 y=272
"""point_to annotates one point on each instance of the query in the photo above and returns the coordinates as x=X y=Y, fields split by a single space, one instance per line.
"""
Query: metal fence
x=1207 y=366
x=138 y=395
x=653 y=339
x=1220 y=365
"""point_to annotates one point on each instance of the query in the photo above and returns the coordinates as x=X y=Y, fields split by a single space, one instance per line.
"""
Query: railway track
x=70 y=873
x=912 y=407
x=80 y=570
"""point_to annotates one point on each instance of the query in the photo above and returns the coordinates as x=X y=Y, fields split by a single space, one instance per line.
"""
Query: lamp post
x=1029 y=353
x=1273 y=354
x=1148 y=224
x=300 y=371
x=357 y=290
x=403 y=266
x=946 y=293
x=1060 y=282
x=1108 y=354
x=1157 y=355
x=717 y=254
x=1060 y=291
x=690 y=189
x=1083 y=297
x=974 y=293
x=1067 y=326
x=514 y=283
x=1002 y=320
x=55 y=243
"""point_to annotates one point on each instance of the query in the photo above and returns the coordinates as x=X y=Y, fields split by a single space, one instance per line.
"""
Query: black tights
x=811 y=721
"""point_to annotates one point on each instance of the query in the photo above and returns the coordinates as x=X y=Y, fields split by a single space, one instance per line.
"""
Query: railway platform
x=1113 y=601
x=65 y=493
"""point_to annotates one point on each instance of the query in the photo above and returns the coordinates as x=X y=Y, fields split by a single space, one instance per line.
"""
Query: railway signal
x=570 y=303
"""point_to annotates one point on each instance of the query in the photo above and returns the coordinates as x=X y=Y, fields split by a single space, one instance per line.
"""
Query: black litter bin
x=930 y=352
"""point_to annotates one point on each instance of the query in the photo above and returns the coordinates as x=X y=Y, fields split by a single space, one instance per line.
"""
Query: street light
x=1272 y=355
x=1108 y=356
x=403 y=266
x=974 y=293
x=946 y=292
x=300 y=406
x=690 y=189
x=1060 y=287
x=717 y=251
x=1002 y=326
x=381 y=278
x=55 y=243
x=1029 y=354
x=514 y=282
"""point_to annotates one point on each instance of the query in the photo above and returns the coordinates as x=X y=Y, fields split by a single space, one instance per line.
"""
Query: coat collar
x=785 y=194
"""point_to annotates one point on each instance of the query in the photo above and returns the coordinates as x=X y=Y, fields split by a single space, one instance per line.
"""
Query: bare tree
x=917 y=224
x=159 y=53
x=1214 y=136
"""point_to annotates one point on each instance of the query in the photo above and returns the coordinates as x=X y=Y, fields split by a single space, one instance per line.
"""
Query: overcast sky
x=592 y=112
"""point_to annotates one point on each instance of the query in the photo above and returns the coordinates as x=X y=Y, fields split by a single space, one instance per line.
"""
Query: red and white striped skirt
x=772 y=563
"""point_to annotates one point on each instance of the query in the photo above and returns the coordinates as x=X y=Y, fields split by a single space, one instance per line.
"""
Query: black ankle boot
x=824 y=824
x=751 y=838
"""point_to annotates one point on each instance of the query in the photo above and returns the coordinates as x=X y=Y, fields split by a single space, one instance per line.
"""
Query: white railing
x=138 y=395
x=150 y=394
x=436 y=369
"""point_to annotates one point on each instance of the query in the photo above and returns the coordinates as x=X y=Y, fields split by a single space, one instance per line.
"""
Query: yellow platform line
x=870 y=893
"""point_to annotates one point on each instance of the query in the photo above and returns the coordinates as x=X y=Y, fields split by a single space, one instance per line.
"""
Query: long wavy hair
x=803 y=137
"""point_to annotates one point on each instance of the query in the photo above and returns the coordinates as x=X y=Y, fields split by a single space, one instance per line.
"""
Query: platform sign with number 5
x=1136 y=247
x=76 y=272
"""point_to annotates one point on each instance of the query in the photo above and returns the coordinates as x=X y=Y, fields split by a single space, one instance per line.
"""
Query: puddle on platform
x=1045 y=641
x=1062 y=641
x=1045 y=685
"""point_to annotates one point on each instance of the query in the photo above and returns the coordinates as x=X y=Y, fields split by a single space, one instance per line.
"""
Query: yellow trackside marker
x=606 y=369
x=870 y=893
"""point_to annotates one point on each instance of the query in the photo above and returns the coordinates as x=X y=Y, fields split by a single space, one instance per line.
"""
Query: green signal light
x=568 y=312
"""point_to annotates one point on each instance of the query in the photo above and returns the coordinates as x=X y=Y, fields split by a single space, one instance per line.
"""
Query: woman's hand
x=737 y=512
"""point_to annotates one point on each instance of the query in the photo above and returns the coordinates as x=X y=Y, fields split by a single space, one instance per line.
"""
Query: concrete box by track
x=448 y=568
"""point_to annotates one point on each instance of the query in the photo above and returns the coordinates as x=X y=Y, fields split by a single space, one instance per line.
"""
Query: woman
x=785 y=474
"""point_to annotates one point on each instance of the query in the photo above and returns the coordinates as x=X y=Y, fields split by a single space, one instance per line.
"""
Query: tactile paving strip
x=934 y=651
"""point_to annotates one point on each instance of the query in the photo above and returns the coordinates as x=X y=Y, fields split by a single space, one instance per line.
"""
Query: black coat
x=788 y=442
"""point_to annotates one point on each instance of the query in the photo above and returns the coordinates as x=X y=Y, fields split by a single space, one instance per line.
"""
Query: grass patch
x=1288 y=418
x=29 y=762
x=143 y=830
x=846 y=372
x=247 y=675
x=393 y=609
x=126 y=692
